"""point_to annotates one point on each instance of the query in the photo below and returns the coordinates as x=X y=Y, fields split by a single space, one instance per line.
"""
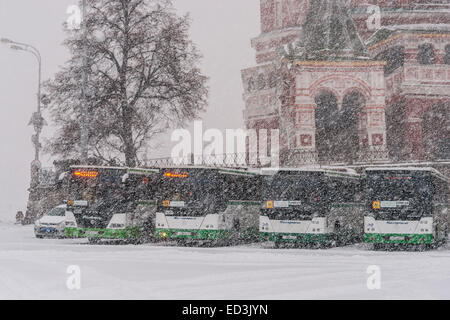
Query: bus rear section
x=317 y=207
x=207 y=205
x=109 y=203
x=405 y=206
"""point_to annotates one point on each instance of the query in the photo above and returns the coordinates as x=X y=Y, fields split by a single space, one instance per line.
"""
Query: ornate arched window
x=272 y=80
x=250 y=85
x=394 y=57
x=426 y=54
x=261 y=82
x=447 y=54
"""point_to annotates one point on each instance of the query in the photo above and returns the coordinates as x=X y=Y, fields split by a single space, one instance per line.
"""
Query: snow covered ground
x=37 y=269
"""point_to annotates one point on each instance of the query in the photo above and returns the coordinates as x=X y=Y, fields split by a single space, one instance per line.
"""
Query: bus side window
x=440 y=192
x=222 y=199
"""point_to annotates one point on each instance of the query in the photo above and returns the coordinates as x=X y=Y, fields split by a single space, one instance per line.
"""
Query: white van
x=52 y=224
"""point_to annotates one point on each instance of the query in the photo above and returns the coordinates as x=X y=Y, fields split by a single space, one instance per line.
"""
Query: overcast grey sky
x=222 y=30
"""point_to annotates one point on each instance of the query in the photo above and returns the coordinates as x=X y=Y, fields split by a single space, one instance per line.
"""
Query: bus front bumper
x=394 y=238
x=127 y=233
x=296 y=237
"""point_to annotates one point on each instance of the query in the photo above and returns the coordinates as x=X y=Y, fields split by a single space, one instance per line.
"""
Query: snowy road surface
x=37 y=269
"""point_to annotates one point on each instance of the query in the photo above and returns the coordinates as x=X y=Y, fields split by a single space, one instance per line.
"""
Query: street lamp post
x=38 y=122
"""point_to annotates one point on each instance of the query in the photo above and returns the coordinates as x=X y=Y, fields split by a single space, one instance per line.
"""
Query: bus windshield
x=111 y=198
x=104 y=192
x=98 y=190
x=193 y=189
x=295 y=195
x=397 y=195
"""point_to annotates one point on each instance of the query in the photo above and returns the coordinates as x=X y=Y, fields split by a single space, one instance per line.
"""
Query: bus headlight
x=118 y=221
x=117 y=226
x=71 y=224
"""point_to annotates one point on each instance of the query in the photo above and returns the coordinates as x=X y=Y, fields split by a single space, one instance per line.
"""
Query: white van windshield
x=57 y=212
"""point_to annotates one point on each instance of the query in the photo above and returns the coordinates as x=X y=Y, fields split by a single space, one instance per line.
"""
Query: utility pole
x=84 y=136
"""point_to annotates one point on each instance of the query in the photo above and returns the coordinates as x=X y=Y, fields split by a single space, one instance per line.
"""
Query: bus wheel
x=437 y=236
x=148 y=232
x=332 y=244
x=135 y=241
x=335 y=241
x=378 y=247
x=223 y=243
x=317 y=245
x=94 y=240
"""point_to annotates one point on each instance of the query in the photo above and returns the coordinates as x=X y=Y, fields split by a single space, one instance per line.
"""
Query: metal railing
x=232 y=160
x=291 y=158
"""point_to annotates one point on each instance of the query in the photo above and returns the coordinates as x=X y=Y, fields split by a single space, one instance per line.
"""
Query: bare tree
x=143 y=78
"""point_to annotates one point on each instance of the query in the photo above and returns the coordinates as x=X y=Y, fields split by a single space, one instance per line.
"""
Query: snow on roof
x=237 y=170
x=419 y=26
x=386 y=31
x=183 y=166
x=401 y=169
x=329 y=170
x=413 y=163
x=139 y=171
x=97 y=167
x=429 y=169
x=418 y=8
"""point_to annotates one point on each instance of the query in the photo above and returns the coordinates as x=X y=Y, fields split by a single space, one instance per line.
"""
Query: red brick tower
x=281 y=22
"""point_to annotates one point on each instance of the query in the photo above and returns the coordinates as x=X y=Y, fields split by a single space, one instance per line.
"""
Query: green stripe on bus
x=347 y=205
x=407 y=238
x=243 y=203
x=147 y=202
x=194 y=234
x=127 y=233
x=299 y=237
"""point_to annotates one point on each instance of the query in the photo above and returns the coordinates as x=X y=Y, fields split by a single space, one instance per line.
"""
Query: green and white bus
x=209 y=206
x=114 y=203
x=405 y=206
x=311 y=206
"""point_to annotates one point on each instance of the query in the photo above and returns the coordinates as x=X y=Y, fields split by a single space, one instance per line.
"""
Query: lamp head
x=19 y=48
x=5 y=40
